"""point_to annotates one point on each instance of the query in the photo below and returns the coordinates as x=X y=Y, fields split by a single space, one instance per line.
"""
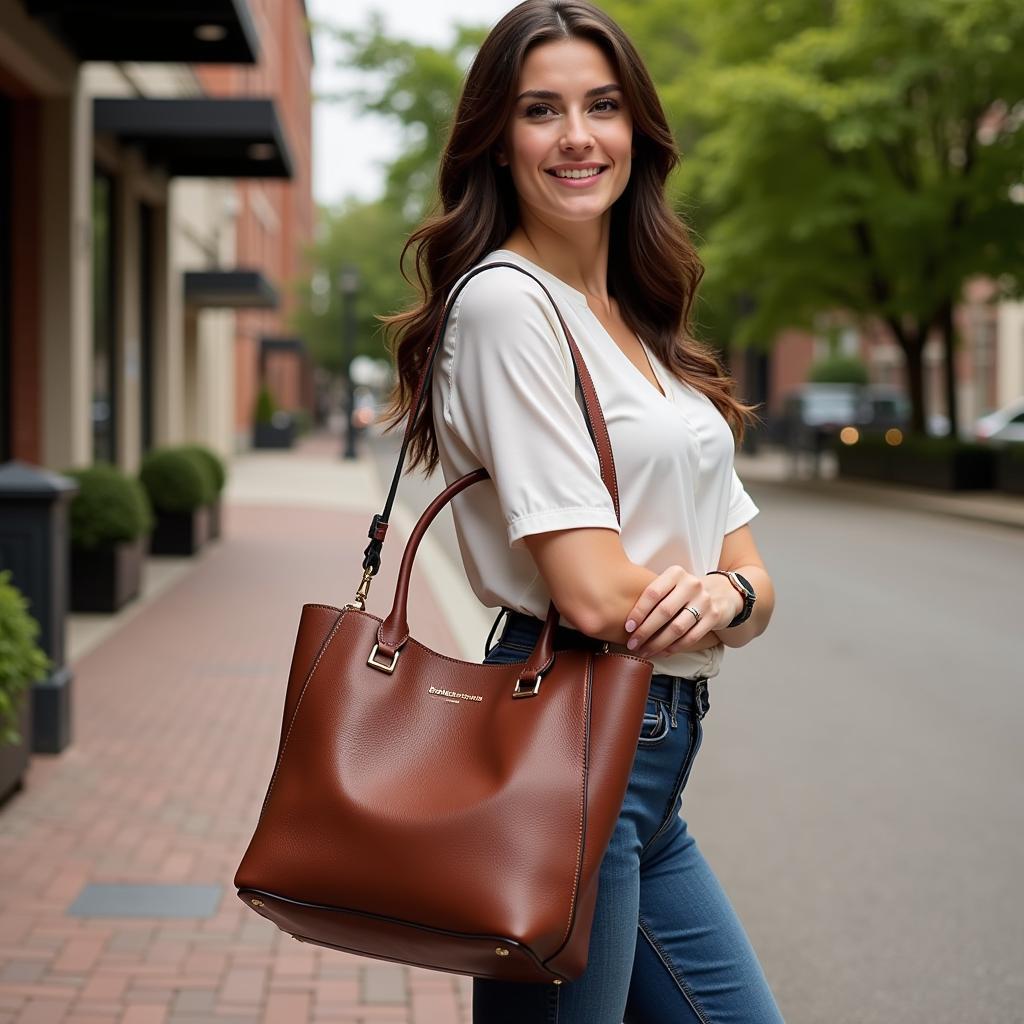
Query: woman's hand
x=659 y=622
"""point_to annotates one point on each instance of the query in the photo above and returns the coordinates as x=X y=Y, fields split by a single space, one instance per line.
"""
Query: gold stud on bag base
x=391 y=756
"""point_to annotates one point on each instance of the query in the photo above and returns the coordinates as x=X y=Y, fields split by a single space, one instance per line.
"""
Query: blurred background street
x=202 y=212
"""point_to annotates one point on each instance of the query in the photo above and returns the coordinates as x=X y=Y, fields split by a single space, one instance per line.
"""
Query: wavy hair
x=653 y=269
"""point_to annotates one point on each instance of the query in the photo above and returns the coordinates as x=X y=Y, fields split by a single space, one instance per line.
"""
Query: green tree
x=418 y=85
x=863 y=155
x=369 y=235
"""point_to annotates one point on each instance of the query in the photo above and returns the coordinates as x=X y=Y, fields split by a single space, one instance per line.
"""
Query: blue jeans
x=666 y=946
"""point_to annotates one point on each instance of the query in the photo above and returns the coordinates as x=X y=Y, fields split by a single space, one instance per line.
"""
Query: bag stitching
x=298 y=704
x=583 y=805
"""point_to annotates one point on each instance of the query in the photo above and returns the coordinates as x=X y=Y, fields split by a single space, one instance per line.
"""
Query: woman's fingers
x=652 y=595
x=666 y=596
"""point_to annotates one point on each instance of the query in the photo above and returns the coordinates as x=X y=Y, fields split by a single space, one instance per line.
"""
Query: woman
x=556 y=162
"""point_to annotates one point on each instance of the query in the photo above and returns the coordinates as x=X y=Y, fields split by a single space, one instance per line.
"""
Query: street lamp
x=348 y=284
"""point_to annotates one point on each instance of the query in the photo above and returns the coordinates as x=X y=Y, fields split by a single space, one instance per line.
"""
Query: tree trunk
x=947 y=330
x=911 y=340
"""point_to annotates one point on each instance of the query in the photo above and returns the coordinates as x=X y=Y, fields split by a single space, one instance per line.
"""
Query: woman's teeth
x=578 y=174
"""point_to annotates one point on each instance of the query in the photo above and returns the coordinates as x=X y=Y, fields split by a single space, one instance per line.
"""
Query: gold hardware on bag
x=256 y=903
x=501 y=951
x=558 y=982
x=384 y=668
x=516 y=692
x=359 y=601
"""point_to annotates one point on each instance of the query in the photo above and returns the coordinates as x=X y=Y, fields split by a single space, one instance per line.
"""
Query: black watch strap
x=746 y=591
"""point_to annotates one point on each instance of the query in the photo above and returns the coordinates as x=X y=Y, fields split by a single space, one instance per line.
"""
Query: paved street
x=859 y=786
x=858 y=790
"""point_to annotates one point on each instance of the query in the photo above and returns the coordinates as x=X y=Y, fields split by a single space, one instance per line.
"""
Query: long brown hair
x=655 y=270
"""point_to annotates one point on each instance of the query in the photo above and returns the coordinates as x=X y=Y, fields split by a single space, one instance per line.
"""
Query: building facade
x=155 y=202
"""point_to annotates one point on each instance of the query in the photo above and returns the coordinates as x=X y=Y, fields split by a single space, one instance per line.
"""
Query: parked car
x=1003 y=425
x=814 y=412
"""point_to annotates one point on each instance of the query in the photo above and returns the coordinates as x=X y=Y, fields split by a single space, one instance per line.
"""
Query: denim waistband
x=678 y=691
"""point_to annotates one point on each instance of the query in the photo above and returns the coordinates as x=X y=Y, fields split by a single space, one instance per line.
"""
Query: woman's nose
x=577 y=133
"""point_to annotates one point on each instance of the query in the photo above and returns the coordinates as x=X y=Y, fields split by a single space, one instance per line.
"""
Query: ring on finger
x=696 y=614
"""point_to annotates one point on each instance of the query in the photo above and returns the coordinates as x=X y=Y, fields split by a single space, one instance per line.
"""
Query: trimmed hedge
x=177 y=480
x=265 y=406
x=110 y=507
x=22 y=661
x=213 y=461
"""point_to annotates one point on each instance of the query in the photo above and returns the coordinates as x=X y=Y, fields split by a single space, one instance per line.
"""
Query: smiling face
x=567 y=128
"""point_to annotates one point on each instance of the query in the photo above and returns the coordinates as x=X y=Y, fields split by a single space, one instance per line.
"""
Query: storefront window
x=146 y=324
x=5 y=279
x=103 y=320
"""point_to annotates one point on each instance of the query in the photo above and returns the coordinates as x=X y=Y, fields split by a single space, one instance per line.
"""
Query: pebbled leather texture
x=431 y=828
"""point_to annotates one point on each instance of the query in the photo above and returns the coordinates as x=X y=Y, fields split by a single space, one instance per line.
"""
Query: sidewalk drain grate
x=102 y=900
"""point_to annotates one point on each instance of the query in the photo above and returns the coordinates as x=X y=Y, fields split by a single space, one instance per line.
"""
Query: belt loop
x=676 y=685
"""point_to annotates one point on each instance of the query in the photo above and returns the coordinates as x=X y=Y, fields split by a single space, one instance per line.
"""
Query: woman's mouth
x=578 y=179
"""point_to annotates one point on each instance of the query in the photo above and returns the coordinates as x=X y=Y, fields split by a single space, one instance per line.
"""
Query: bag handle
x=394 y=630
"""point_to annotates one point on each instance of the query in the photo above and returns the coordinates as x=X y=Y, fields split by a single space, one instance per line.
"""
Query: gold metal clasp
x=516 y=692
x=384 y=668
x=359 y=601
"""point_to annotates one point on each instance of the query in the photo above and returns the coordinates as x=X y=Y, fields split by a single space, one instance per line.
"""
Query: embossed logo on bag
x=452 y=693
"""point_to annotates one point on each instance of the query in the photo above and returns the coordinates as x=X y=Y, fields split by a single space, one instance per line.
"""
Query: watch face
x=745 y=582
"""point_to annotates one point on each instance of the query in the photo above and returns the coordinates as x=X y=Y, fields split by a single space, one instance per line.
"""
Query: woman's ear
x=499 y=157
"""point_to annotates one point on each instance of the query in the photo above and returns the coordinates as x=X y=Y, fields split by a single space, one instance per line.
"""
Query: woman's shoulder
x=494 y=294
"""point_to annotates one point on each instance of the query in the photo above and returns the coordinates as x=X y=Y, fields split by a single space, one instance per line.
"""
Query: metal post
x=348 y=281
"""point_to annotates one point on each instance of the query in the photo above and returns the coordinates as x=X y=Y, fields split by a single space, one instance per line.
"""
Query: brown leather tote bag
x=437 y=812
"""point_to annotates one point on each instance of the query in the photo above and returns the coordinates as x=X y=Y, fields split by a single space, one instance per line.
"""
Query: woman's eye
x=538 y=108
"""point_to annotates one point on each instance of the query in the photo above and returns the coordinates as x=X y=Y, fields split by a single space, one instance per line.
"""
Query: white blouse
x=504 y=397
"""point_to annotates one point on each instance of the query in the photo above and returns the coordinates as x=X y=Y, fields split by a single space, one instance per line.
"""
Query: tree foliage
x=862 y=156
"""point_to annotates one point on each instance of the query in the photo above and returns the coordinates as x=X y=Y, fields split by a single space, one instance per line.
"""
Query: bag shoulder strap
x=592 y=412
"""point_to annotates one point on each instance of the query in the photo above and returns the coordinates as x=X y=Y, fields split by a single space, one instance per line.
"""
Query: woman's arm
x=664 y=626
x=593 y=583
x=739 y=552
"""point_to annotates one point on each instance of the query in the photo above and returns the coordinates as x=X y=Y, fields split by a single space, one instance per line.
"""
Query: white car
x=1006 y=424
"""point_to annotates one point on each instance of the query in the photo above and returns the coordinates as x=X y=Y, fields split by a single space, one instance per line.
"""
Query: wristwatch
x=742 y=584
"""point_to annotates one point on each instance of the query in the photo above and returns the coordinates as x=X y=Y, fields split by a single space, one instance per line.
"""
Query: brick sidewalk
x=176 y=722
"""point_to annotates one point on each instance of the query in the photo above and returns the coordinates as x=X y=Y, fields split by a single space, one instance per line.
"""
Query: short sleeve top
x=504 y=397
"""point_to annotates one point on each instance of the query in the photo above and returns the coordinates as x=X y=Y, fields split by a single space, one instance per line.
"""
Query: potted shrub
x=273 y=428
x=870 y=458
x=109 y=521
x=180 y=488
x=22 y=663
x=1010 y=468
x=943 y=462
x=217 y=470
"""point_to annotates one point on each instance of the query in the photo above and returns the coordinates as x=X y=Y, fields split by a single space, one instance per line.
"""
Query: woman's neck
x=581 y=262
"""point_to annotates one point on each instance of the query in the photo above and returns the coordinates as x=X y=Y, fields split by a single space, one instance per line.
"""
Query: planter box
x=958 y=469
x=213 y=520
x=964 y=469
x=179 y=533
x=267 y=435
x=1010 y=469
x=865 y=462
x=107 y=578
x=14 y=757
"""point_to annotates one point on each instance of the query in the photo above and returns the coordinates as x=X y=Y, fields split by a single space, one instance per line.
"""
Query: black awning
x=201 y=138
x=230 y=289
x=281 y=344
x=186 y=31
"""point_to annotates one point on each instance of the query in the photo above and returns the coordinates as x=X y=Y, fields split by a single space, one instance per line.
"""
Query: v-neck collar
x=579 y=300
